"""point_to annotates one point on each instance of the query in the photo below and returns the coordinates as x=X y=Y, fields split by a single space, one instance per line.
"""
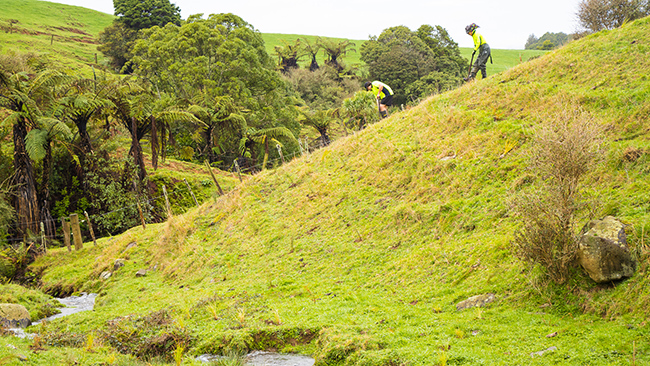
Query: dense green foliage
x=143 y=14
x=221 y=56
x=116 y=42
x=548 y=41
x=117 y=39
x=400 y=57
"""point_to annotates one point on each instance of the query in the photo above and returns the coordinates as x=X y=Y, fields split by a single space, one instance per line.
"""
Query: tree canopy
x=220 y=55
x=400 y=57
x=143 y=14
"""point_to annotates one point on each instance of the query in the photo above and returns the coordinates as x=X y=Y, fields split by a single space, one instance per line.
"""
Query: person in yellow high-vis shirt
x=383 y=93
x=483 y=49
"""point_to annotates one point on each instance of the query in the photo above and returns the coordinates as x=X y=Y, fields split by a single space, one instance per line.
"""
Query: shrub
x=563 y=152
x=597 y=15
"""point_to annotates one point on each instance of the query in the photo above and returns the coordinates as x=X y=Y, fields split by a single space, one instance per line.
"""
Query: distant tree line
x=548 y=41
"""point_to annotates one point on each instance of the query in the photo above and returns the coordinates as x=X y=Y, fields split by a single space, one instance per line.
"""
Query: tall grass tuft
x=563 y=151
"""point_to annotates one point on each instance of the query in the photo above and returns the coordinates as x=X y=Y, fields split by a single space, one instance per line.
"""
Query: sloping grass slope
x=358 y=253
x=64 y=34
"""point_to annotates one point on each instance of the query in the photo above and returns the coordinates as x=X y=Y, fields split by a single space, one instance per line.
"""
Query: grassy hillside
x=358 y=253
x=66 y=34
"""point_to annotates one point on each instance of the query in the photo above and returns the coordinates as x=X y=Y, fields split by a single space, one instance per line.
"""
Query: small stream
x=260 y=358
x=73 y=304
x=86 y=302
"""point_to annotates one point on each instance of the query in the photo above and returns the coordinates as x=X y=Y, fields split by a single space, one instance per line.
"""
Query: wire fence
x=57 y=223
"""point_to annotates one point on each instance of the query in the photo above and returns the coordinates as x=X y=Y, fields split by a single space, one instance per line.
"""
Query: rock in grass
x=141 y=273
x=603 y=252
x=14 y=315
x=476 y=301
x=119 y=263
x=541 y=353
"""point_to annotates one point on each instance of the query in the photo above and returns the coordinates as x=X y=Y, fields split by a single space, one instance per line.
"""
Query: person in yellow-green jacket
x=383 y=93
x=483 y=49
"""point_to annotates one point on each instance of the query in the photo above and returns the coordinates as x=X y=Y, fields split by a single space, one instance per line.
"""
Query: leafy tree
x=84 y=99
x=117 y=39
x=322 y=88
x=597 y=15
x=115 y=42
x=360 y=110
x=24 y=95
x=142 y=112
x=143 y=14
x=320 y=120
x=400 y=57
x=38 y=143
x=530 y=41
x=219 y=56
x=312 y=50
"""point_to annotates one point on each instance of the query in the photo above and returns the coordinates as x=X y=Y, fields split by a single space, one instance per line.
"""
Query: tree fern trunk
x=136 y=151
x=25 y=201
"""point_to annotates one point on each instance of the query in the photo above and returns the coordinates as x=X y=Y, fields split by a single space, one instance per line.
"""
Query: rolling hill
x=358 y=253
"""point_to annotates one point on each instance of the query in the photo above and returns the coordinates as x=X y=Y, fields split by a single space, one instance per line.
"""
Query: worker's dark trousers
x=481 y=61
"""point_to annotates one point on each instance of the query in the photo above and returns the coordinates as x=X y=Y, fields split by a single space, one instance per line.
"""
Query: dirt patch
x=73 y=30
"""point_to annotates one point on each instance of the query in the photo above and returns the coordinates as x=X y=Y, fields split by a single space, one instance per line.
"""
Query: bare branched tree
x=563 y=152
x=597 y=15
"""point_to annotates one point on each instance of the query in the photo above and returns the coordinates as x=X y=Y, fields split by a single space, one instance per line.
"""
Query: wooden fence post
x=144 y=225
x=90 y=227
x=214 y=178
x=76 y=232
x=43 y=237
x=169 y=208
x=192 y=193
x=66 y=233
x=238 y=170
x=280 y=152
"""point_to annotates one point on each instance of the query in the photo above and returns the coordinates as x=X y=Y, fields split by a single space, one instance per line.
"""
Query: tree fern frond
x=35 y=144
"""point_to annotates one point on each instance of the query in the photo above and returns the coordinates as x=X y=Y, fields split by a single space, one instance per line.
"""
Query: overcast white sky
x=506 y=24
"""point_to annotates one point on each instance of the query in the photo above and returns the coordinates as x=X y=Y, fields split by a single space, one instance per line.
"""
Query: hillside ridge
x=358 y=253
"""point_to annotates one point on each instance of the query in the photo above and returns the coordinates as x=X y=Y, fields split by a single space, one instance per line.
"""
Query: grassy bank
x=358 y=254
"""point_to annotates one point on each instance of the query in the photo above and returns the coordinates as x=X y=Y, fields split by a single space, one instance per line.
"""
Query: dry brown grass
x=563 y=152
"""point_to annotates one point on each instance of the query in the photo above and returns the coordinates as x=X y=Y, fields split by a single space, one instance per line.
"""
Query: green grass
x=64 y=34
x=358 y=253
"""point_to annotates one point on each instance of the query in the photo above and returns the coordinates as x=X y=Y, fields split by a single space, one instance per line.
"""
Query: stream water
x=259 y=358
x=73 y=304
x=86 y=302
